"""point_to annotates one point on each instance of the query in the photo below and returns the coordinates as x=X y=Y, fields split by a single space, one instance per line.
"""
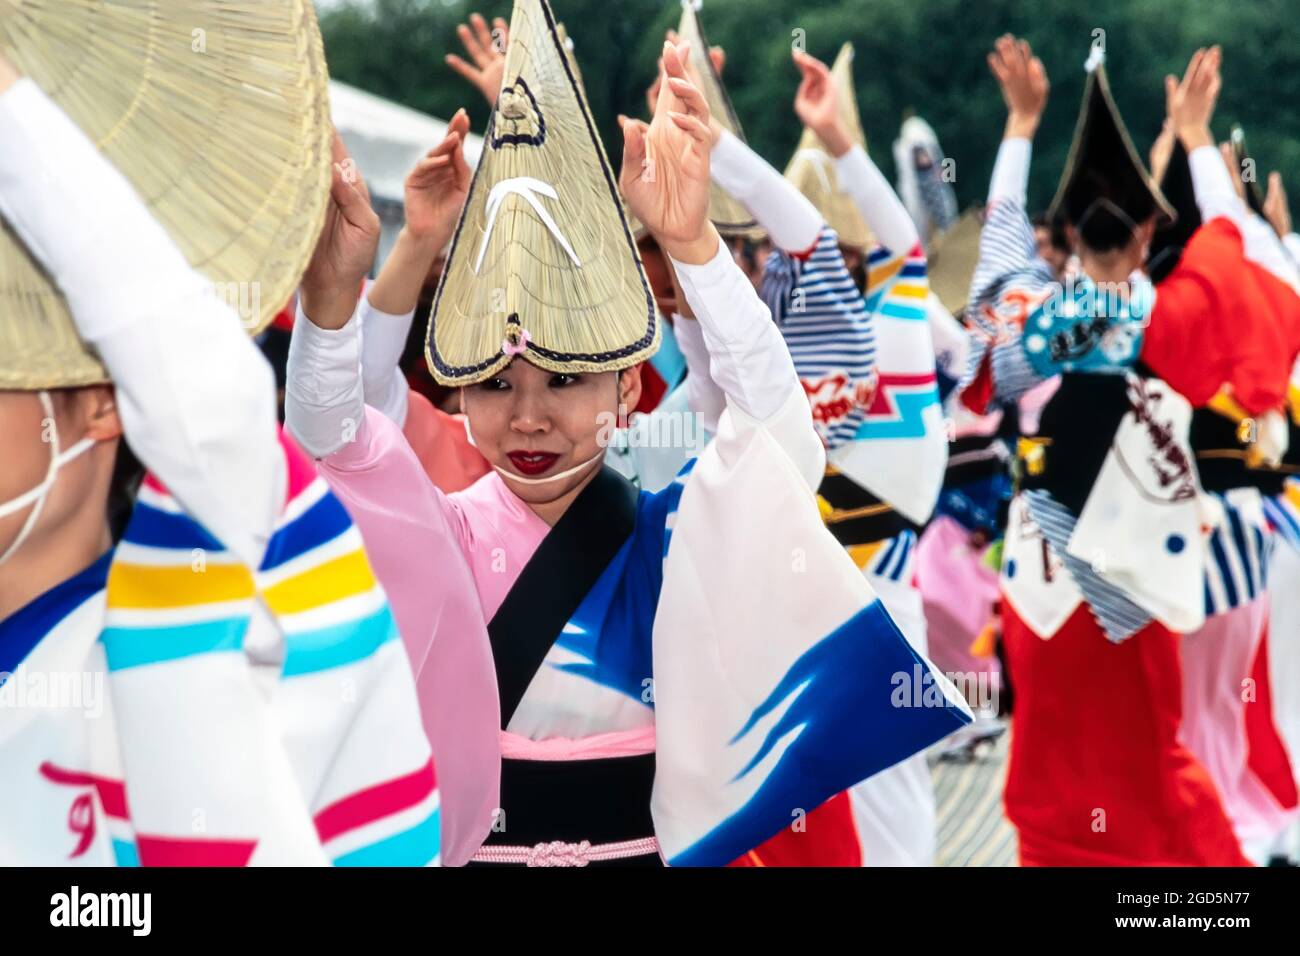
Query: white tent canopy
x=386 y=138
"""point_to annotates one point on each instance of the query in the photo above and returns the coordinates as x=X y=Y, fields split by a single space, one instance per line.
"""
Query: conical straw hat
x=812 y=167
x=953 y=259
x=729 y=216
x=216 y=111
x=1103 y=159
x=542 y=264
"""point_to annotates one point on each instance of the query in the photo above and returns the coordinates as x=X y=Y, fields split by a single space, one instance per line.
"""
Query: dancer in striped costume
x=254 y=702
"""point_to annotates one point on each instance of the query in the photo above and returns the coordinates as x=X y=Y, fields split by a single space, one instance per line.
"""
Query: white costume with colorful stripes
x=244 y=696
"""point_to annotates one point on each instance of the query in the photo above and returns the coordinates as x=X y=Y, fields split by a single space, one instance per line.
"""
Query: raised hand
x=346 y=248
x=1190 y=102
x=488 y=51
x=1024 y=84
x=1234 y=169
x=817 y=104
x=1162 y=150
x=665 y=175
x=1276 y=208
x=436 y=188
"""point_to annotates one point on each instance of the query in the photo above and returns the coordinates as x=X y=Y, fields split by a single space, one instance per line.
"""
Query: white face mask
x=38 y=494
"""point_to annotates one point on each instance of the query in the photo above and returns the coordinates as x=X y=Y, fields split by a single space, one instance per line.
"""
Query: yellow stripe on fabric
x=863 y=553
x=340 y=578
x=884 y=273
x=1292 y=495
x=911 y=290
x=155 y=587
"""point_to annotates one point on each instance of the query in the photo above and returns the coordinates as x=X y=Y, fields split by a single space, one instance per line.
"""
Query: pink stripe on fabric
x=301 y=471
x=375 y=803
x=618 y=743
x=179 y=851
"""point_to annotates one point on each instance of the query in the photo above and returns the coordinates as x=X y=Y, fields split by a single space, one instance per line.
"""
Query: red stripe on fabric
x=804 y=254
x=181 y=851
x=112 y=793
x=1267 y=756
x=153 y=484
x=375 y=803
x=882 y=402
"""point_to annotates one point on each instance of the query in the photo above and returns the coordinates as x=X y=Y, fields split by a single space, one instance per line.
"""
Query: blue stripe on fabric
x=339 y=644
x=418 y=846
x=322 y=522
x=22 y=630
x=904 y=551
x=125 y=853
x=154 y=528
x=127 y=647
x=1243 y=549
x=908 y=313
x=1225 y=569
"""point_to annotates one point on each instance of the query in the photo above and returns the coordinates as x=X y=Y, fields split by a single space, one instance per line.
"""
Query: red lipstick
x=532 y=463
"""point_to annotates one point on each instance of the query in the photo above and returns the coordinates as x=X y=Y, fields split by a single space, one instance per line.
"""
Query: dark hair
x=1114 y=207
x=1055 y=225
x=128 y=473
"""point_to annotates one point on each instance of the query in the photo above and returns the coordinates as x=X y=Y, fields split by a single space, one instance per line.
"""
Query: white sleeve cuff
x=1010 y=178
x=1215 y=195
x=789 y=218
x=748 y=357
x=877 y=202
x=323 y=405
x=383 y=339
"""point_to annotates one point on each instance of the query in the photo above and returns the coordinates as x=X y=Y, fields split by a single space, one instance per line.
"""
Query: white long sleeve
x=748 y=358
x=1263 y=247
x=1010 y=179
x=323 y=402
x=196 y=397
x=1215 y=195
x=703 y=396
x=383 y=339
x=789 y=218
x=1291 y=241
x=877 y=202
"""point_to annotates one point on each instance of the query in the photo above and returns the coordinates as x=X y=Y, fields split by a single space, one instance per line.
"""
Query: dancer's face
x=532 y=423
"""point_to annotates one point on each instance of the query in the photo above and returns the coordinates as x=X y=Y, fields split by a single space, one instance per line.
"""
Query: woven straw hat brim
x=953 y=259
x=812 y=168
x=550 y=252
x=216 y=111
x=1098 y=106
x=731 y=218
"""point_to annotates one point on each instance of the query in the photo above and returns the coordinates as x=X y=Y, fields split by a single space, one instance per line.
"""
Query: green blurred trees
x=924 y=55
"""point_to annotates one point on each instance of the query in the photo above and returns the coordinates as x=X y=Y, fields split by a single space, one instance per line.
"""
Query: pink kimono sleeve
x=414 y=536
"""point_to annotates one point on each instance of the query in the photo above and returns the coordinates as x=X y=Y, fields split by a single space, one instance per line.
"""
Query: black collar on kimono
x=561 y=572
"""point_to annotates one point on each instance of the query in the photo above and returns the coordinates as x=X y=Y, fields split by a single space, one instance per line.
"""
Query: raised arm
x=816 y=104
x=748 y=357
x=435 y=192
x=196 y=398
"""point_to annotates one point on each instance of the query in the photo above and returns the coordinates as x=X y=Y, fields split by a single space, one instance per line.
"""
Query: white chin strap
x=38 y=494
x=549 y=478
x=469 y=435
